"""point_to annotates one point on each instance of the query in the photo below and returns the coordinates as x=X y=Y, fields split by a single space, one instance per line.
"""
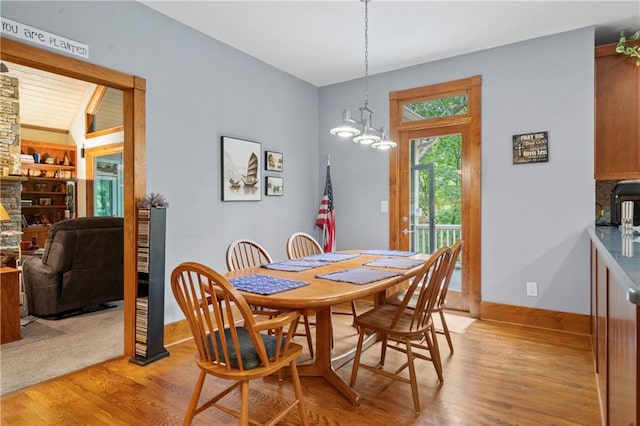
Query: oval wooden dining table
x=317 y=298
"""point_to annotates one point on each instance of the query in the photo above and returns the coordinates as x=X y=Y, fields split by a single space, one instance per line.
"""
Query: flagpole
x=325 y=219
x=324 y=227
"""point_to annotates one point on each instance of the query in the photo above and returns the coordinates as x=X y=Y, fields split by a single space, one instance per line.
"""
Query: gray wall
x=533 y=215
x=199 y=89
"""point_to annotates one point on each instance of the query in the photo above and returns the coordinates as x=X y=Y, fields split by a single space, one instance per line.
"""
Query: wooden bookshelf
x=48 y=188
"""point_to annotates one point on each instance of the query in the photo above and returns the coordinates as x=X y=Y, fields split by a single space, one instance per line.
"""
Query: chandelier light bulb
x=368 y=136
x=384 y=143
x=346 y=129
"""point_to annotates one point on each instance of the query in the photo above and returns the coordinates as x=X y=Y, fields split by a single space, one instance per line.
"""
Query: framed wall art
x=240 y=167
x=273 y=185
x=273 y=161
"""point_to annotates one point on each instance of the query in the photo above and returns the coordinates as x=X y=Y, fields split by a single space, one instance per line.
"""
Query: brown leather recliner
x=82 y=266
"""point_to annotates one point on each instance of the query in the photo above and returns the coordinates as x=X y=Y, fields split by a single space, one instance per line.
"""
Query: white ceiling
x=322 y=42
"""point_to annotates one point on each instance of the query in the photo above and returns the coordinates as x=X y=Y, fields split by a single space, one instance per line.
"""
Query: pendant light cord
x=366 y=53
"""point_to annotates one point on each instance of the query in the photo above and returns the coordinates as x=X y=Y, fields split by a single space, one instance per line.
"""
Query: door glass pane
x=104 y=197
x=436 y=195
x=435 y=108
x=108 y=186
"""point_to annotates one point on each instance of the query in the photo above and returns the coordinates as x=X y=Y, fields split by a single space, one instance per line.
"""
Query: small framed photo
x=273 y=185
x=273 y=161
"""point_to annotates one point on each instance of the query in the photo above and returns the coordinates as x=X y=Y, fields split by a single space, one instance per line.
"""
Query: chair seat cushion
x=250 y=358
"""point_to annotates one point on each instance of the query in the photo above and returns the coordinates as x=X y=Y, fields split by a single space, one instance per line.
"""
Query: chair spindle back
x=427 y=282
x=243 y=254
x=300 y=245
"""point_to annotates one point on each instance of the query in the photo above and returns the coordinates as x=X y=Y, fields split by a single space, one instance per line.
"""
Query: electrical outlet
x=532 y=288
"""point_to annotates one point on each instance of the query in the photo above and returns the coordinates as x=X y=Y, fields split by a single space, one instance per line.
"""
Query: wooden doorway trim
x=471 y=171
x=92 y=153
x=134 y=148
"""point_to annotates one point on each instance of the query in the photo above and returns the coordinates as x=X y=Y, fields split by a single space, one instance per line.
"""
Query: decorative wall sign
x=273 y=185
x=531 y=148
x=43 y=38
x=240 y=170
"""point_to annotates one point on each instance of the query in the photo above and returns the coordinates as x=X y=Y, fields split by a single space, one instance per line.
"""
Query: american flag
x=326 y=219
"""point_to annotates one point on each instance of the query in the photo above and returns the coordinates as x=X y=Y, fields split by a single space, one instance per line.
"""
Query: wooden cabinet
x=9 y=305
x=49 y=191
x=617 y=106
x=616 y=345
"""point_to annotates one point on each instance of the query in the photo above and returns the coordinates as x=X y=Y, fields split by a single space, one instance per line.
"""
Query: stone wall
x=10 y=157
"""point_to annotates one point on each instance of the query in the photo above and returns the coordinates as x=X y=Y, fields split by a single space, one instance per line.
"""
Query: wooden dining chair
x=403 y=329
x=299 y=245
x=243 y=254
x=441 y=303
x=231 y=350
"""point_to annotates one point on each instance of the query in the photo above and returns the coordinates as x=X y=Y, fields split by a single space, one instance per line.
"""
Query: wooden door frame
x=91 y=154
x=134 y=91
x=471 y=171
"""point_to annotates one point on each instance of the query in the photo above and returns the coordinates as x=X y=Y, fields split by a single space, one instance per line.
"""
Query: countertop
x=622 y=255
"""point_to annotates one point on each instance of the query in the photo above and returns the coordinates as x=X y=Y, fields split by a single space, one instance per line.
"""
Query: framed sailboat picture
x=240 y=170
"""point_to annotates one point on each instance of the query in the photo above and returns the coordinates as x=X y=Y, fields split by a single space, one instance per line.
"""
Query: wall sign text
x=531 y=148
x=44 y=38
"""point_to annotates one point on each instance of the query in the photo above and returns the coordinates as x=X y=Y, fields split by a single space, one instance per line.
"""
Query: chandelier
x=362 y=131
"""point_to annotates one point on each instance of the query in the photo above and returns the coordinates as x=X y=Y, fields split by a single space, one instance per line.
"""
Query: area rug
x=52 y=348
x=456 y=323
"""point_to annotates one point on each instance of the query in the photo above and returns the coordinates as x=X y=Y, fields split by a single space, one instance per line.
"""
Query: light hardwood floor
x=500 y=374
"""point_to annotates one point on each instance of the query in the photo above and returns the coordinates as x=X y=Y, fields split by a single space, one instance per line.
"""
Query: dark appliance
x=626 y=190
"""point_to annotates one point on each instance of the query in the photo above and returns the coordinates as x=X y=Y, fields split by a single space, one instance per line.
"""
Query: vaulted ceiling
x=322 y=42
x=49 y=100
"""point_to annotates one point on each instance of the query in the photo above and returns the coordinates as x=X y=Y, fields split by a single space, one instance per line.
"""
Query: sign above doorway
x=44 y=38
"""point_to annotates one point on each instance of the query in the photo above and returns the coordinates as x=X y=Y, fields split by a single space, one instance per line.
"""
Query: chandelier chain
x=363 y=131
x=366 y=53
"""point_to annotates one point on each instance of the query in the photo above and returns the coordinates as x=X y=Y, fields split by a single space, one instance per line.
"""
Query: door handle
x=405 y=231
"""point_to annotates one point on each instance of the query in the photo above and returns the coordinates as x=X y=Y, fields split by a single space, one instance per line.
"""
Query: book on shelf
x=142 y=306
x=141 y=349
x=144 y=213
x=27 y=159
x=143 y=259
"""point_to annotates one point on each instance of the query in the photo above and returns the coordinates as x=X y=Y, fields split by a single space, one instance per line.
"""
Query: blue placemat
x=358 y=275
x=390 y=252
x=295 y=265
x=263 y=284
x=331 y=257
x=394 y=262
